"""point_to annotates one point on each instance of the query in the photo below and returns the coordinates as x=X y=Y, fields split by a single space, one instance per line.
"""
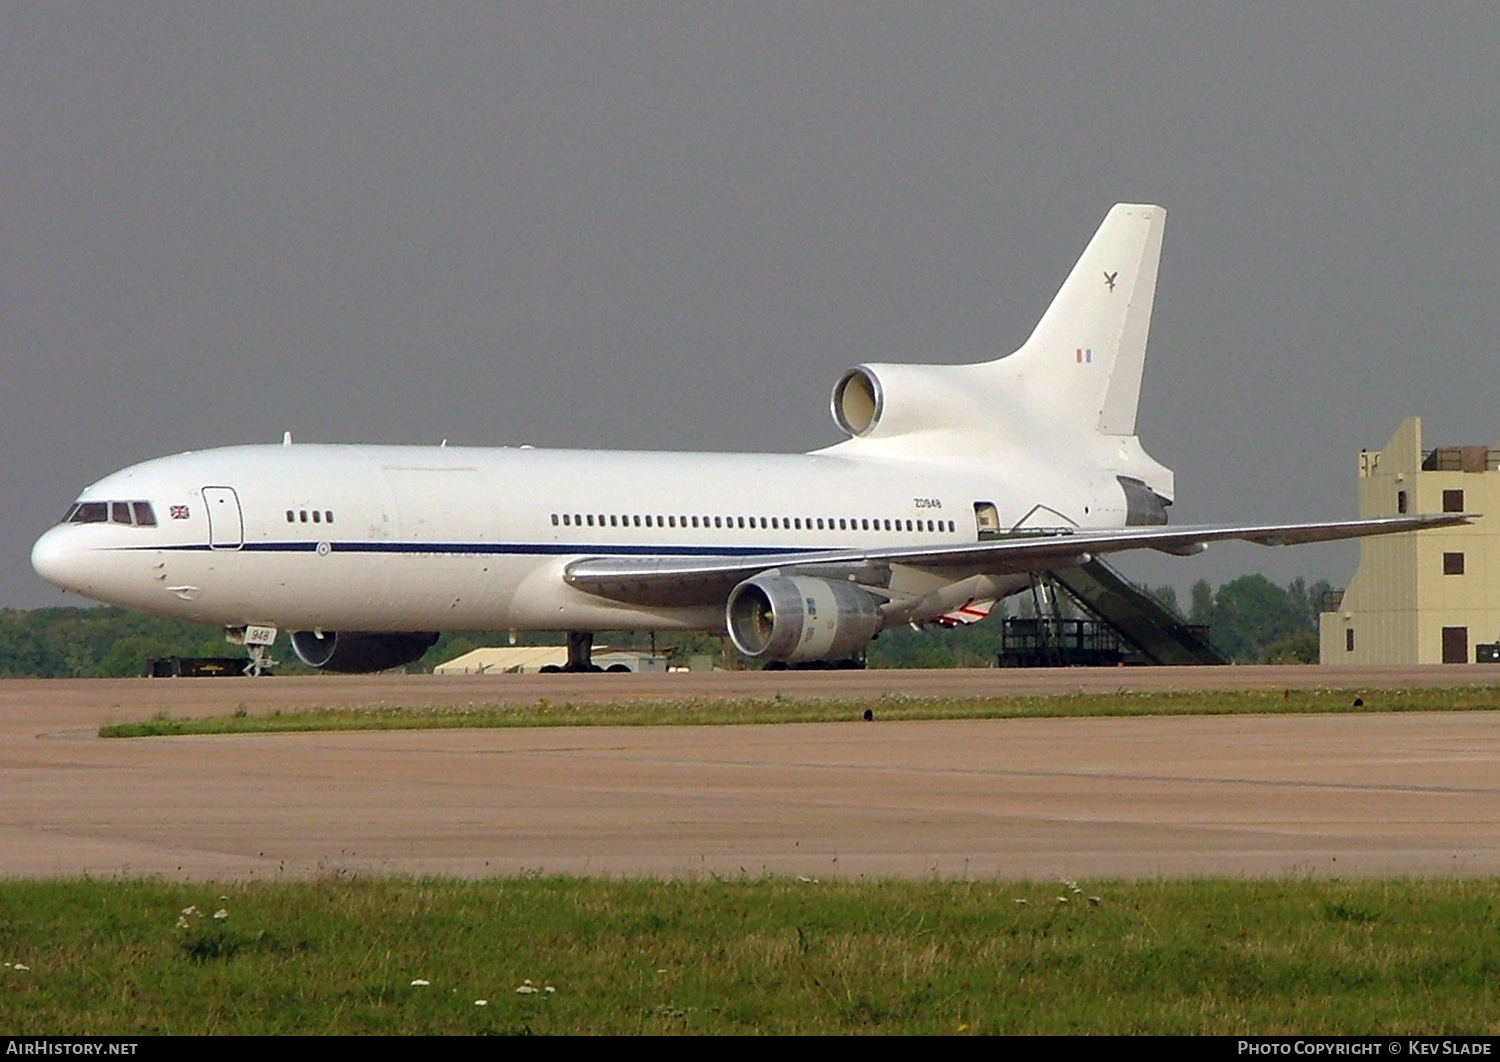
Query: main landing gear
x=580 y=654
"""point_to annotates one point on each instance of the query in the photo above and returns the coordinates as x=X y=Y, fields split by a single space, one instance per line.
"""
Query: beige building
x=1430 y=597
x=530 y=659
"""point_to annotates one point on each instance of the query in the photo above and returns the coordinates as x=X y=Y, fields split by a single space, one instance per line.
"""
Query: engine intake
x=799 y=618
x=858 y=401
x=881 y=401
x=355 y=652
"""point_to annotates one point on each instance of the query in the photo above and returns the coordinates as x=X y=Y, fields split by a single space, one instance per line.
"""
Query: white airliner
x=956 y=485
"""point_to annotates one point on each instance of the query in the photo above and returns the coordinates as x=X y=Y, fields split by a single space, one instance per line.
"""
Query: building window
x=1453 y=563
x=1401 y=502
x=1453 y=501
x=1349 y=639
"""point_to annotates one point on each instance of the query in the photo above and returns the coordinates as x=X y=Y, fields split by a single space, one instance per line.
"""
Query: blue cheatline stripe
x=533 y=549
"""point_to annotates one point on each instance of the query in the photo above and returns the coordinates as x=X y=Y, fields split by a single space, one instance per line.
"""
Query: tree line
x=1251 y=620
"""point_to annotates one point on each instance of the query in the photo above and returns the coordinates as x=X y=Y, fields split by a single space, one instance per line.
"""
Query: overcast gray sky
x=673 y=226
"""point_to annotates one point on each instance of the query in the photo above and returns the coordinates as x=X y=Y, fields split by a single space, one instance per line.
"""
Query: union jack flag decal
x=1085 y=356
x=178 y=512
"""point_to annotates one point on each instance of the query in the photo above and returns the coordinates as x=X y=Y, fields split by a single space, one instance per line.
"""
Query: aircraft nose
x=56 y=559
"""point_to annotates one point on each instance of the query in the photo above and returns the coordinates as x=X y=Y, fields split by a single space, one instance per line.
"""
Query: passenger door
x=987 y=520
x=226 y=524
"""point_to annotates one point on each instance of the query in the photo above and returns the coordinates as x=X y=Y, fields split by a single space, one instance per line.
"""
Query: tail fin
x=1084 y=359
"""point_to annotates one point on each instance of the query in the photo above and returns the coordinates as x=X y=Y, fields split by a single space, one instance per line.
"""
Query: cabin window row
x=130 y=513
x=773 y=523
x=299 y=516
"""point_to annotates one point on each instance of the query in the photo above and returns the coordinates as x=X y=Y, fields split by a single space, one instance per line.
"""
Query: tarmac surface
x=1346 y=795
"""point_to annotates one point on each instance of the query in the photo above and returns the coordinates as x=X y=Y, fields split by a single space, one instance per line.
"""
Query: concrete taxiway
x=1376 y=794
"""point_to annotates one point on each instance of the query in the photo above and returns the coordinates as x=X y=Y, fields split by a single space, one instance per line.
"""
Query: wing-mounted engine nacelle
x=886 y=400
x=354 y=652
x=800 y=618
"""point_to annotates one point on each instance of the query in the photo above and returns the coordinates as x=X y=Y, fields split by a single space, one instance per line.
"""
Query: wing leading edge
x=704 y=580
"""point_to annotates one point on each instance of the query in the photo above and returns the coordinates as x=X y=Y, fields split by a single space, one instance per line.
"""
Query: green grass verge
x=764 y=956
x=886 y=708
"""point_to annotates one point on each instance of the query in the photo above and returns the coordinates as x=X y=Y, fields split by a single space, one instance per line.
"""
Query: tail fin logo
x=1109 y=278
x=1084 y=357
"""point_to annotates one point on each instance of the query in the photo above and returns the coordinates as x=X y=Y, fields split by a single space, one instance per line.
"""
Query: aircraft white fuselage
x=958 y=482
x=459 y=538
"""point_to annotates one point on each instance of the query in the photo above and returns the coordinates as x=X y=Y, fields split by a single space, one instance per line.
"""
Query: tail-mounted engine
x=354 y=652
x=886 y=400
x=800 y=618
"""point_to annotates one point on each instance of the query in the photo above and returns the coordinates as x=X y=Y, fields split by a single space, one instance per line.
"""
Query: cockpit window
x=89 y=513
x=137 y=513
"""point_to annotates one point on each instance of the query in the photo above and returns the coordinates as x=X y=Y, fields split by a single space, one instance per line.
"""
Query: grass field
x=551 y=955
x=779 y=710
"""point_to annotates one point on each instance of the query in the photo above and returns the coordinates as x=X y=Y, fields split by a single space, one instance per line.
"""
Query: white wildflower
x=526 y=989
x=21 y=966
x=419 y=983
x=549 y=989
x=1021 y=901
x=190 y=911
x=481 y=1002
x=221 y=914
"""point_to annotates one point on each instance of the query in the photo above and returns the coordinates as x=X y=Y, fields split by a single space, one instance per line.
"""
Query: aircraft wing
x=700 y=580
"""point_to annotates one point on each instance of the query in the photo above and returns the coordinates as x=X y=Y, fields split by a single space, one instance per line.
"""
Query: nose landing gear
x=261 y=660
x=257 y=642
